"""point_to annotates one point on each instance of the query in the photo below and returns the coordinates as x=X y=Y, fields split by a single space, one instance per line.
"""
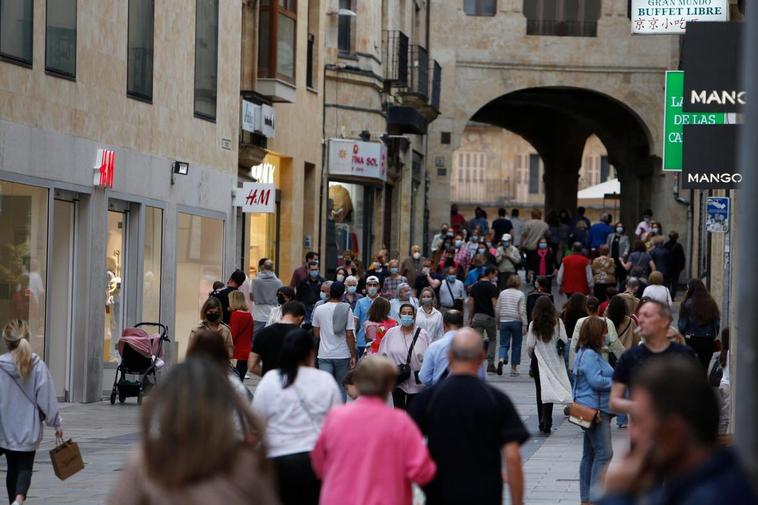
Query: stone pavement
x=106 y=434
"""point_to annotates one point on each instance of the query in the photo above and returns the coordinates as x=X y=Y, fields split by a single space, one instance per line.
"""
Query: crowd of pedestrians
x=374 y=380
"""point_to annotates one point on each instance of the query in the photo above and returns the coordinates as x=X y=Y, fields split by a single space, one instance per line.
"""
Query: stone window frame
x=480 y=8
x=269 y=12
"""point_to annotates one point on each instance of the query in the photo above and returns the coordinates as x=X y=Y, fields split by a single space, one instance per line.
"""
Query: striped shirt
x=511 y=306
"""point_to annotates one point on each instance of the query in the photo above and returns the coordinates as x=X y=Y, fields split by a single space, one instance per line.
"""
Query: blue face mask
x=543 y=245
x=458 y=243
x=451 y=278
x=352 y=289
x=323 y=296
x=393 y=271
x=406 y=320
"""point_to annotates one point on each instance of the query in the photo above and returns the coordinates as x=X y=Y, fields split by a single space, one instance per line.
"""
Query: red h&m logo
x=105 y=168
x=258 y=197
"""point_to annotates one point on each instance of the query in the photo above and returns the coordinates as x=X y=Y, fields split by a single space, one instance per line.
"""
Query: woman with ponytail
x=27 y=400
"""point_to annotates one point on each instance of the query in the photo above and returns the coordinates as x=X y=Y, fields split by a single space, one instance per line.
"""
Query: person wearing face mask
x=543 y=264
x=481 y=312
x=508 y=259
x=428 y=317
x=427 y=279
x=412 y=265
x=644 y=226
x=391 y=283
x=452 y=291
x=340 y=275
x=351 y=295
x=463 y=253
x=283 y=295
x=445 y=231
x=308 y=291
x=210 y=319
x=655 y=231
x=324 y=293
x=398 y=344
x=533 y=231
x=618 y=244
x=361 y=312
x=402 y=296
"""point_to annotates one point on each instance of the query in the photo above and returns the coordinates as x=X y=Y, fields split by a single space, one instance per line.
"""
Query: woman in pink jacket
x=368 y=452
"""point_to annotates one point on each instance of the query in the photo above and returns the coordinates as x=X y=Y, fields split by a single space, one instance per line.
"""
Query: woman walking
x=293 y=402
x=511 y=313
x=379 y=321
x=573 y=311
x=547 y=367
x=27 y=399
x=592 y=387
x=603 y=273
x=543 y=264
x=191 y=452
x=618 y=245
x=428 y=317
x=657 y=290
x=401 y=343
x=210 y=319
x=241 y=326
x=699 y=321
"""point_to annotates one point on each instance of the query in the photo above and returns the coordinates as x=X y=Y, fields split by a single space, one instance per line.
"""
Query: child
x=349 y=385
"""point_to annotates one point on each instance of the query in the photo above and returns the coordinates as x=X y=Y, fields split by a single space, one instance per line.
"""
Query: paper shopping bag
x=67 y=460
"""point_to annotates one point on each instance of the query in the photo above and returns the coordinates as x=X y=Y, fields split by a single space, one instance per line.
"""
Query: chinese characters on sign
x=256 y=197
x=358 y=159
x=104 y=169
x=672 y=16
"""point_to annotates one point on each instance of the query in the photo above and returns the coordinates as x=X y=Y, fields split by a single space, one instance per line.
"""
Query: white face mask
x=416 y=255
x=340 y=277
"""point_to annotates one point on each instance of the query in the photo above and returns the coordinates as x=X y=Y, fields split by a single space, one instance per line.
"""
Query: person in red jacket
x=575 y=274
x=241 y=324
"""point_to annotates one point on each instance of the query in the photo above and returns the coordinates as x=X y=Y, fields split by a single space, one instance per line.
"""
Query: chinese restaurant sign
x=672 y=16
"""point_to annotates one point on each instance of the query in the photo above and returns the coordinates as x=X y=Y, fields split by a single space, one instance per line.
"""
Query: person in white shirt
x=334 y=324
x=428 y=317
x=517 y=227
x=293 y=402
x=643 y=228
x=656 y=290
x=452 y=291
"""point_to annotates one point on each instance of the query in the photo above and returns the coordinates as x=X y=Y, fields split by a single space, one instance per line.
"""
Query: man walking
x=412 y=265
x=482 y=304
x=575 y=274
x=308 y=292
x=263 y=294
x=334 y=325
x=533 y=230
x=508 y=259
x=452 y=291
x=472 y=429
x=267 y=344
x=678 y=261
x=236 y=280
x=301 y=272
x=435 y=365
x=501 y=226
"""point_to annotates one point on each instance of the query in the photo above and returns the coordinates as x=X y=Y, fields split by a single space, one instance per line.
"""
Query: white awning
x=609 y=187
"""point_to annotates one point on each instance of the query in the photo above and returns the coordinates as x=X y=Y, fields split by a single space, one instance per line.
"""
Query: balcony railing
x=419 y=71
x=436 y=85
x=396 y=58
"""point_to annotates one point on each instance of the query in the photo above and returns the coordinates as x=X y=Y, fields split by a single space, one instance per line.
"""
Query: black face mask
x=281 y=299
x=212 y=316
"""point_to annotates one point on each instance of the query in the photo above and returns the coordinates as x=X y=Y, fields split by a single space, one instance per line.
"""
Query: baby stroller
x=140 y=358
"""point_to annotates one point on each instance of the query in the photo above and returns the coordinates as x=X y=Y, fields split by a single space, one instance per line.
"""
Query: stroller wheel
x=113 y=398
x=121 y=397
x=139 y=399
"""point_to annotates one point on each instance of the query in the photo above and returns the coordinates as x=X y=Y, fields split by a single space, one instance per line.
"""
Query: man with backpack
x=236 y=280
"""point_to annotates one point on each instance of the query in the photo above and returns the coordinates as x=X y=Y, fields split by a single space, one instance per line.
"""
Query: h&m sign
x=104 y=169
x=256 y=197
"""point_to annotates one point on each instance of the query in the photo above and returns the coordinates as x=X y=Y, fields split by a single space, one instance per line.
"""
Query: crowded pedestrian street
x=378 y=252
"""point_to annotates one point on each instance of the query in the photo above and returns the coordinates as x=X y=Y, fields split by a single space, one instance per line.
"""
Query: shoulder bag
x=457 y=303
x=404 y=369
x=582 y=415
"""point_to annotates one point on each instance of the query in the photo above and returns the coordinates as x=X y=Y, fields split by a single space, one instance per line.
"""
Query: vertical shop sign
x=104 y=169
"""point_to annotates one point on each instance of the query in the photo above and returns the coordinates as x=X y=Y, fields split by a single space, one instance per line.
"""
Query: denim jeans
x=596 y=455
x=484 y=323
x=511 y=331
x=338 y=368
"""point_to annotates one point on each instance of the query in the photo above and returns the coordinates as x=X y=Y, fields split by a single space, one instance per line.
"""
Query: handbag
x=457 y=303
x=582 y=415
x=67 y=459
x=404 y=369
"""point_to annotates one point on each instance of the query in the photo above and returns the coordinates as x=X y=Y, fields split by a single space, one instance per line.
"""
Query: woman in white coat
x=546 y=334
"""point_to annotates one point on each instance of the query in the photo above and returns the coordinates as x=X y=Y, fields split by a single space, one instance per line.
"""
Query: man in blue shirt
x=599 y=232
x=362 y=307
x=434 y=367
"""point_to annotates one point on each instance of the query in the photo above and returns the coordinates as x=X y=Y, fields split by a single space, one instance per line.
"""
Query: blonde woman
x=27 y=399
x=211 y=319
x=427 y=316
x=241 y=324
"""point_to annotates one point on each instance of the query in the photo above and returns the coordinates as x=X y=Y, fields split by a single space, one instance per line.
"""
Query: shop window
x=349 y=221
x=199 y=257
x=16 y=30
x=60 y=37
x=139 y=66
x=345 y=29
x=206 y=58
x=23 y=259
x=276 y=39
x=151 y=273
x=567 y=18
x=480 y=7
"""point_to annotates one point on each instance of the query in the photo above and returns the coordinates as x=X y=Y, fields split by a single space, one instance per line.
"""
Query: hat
x=507 y=237
x=372 y=278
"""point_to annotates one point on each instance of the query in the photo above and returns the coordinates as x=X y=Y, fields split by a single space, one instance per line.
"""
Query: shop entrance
x=115 y=278
x=61 y=285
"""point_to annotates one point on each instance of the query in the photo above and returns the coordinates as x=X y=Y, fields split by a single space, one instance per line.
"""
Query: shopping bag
x=67 y=460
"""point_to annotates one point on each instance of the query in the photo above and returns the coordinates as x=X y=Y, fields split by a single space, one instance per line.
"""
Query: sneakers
x=514 y=371
x=491 y=368
x=500 y=367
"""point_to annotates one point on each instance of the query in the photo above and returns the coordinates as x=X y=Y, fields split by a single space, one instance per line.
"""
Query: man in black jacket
x=678 y=261
x=236 y=280
x=308 y=292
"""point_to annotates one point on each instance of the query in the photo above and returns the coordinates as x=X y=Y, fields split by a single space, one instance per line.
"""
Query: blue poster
x=717 y=214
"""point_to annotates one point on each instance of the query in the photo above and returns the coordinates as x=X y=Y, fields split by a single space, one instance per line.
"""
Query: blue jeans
x=338 y=368
x=596 y=455
x=511 y=331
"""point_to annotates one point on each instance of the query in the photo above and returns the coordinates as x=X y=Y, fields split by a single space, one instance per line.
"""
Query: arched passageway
x=557 y=121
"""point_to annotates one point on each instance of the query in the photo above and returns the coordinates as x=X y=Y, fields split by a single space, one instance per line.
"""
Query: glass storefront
x=261 y=230
x=349 y=214
x=199 y=256
x=152 y=250
x=23 y=258
x=115 y=249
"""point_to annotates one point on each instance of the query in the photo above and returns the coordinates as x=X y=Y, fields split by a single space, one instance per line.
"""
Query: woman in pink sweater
x=391 y=451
